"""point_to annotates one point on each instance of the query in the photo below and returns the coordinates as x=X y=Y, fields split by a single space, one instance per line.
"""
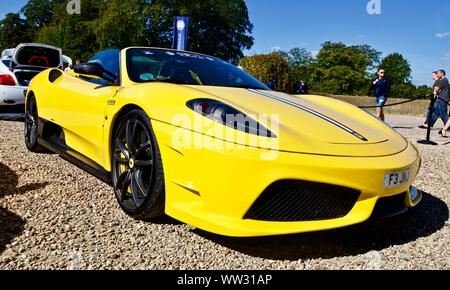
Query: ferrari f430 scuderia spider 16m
x=204 y=142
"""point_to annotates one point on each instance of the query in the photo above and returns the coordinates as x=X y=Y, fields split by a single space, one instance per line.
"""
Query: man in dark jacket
x=303 y=88
x=297 y=88
x=300 y=88
x=381 y=88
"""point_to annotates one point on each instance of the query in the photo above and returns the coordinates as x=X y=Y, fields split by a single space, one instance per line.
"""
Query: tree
x=372 y=54
x=298 y=59
x=406 y=90
x=397 y=68
x=74 y=34
x=339 y=69
x=217 y=27
x=267 y=67
x=38 y=12
x=13 y=30
x=121 y=24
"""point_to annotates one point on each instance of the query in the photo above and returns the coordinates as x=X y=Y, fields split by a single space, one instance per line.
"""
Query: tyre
x=31 y=127
x=137 y=171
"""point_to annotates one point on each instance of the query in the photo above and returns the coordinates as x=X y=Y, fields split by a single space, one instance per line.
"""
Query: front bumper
x=214 y=189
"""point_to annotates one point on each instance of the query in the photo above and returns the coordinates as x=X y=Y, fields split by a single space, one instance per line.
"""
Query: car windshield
x=157 y=65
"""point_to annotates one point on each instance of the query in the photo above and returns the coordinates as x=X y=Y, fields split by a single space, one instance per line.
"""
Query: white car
x=19 y=65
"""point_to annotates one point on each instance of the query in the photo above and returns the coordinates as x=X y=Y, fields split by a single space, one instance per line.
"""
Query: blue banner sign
x=180 y=32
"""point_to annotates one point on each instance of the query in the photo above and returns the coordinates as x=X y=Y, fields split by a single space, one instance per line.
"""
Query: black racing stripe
x=313 y=112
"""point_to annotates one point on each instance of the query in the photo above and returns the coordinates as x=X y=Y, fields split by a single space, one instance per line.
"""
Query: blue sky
x=418 y=29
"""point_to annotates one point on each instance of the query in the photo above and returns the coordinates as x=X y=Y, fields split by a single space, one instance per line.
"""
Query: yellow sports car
x=199 y=139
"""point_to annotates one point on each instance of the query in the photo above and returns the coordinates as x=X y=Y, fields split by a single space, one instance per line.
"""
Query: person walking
x=381 y=87
x=443 y=132
x=300 y=88
x=303 y=88
x=434 y=77
x=297 y=88
x=441 y=93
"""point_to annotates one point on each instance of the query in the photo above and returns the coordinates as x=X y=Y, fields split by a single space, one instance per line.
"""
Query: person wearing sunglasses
x=381 y=87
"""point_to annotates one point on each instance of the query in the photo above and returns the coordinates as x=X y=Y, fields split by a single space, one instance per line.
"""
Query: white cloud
x=447 y=56
x=314 y=53
x=442 y=34
x=360 y=36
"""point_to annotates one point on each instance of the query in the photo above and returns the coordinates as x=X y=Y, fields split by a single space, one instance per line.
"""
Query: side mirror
x=95 y=69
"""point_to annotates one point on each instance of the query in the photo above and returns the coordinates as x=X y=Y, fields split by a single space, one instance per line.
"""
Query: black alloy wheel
x=137 y=168
x=31 y=127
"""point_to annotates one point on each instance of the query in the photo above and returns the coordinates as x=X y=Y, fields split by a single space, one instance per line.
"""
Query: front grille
x=294 y=200
x=390 y=206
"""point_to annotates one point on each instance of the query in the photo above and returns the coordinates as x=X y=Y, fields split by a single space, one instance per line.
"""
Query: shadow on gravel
x=424 y=220
x=11 y=226
x=12 y=113
x=9 y=181
x=400 y=127
x=166 y=220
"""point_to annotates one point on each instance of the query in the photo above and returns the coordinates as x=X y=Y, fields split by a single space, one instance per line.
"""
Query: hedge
x=269 y=67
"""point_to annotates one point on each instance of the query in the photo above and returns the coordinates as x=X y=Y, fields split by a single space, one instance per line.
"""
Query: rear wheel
x=137 y=171
x=31 y=127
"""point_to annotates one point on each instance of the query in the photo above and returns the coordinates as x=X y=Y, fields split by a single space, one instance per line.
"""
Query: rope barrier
x=396 y=104
x=404 y=102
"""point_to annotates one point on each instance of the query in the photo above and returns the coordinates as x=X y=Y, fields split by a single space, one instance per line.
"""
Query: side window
x=109 y=59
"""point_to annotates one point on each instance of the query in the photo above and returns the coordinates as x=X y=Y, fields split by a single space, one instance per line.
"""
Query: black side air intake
x=54 y=75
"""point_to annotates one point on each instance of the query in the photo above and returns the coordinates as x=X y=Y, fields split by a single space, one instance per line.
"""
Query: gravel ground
x=55 y=216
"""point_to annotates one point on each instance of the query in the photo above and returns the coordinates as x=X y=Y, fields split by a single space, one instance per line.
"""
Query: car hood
x=307 y=124
x=314 y=124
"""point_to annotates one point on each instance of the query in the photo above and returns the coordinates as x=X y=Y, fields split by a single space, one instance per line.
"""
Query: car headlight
x=229 y=116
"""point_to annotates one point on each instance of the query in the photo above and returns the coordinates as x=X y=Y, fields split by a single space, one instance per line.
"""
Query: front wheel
x=31 y=127
x=137 y=171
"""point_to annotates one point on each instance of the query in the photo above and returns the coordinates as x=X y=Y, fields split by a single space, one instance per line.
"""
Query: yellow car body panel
x=213 y=187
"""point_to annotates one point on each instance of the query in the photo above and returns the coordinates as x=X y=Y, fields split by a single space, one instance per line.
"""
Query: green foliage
x=216 y=27
x=372 y=54
x=75 y=34
x=340 y=69
x=409 y=91
x=423 y=91
x=38 y=12
x=298 y=59
x=267 y=67
x=121 y=24
x=13 y=30
x=338 y=79
x=397 y=68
